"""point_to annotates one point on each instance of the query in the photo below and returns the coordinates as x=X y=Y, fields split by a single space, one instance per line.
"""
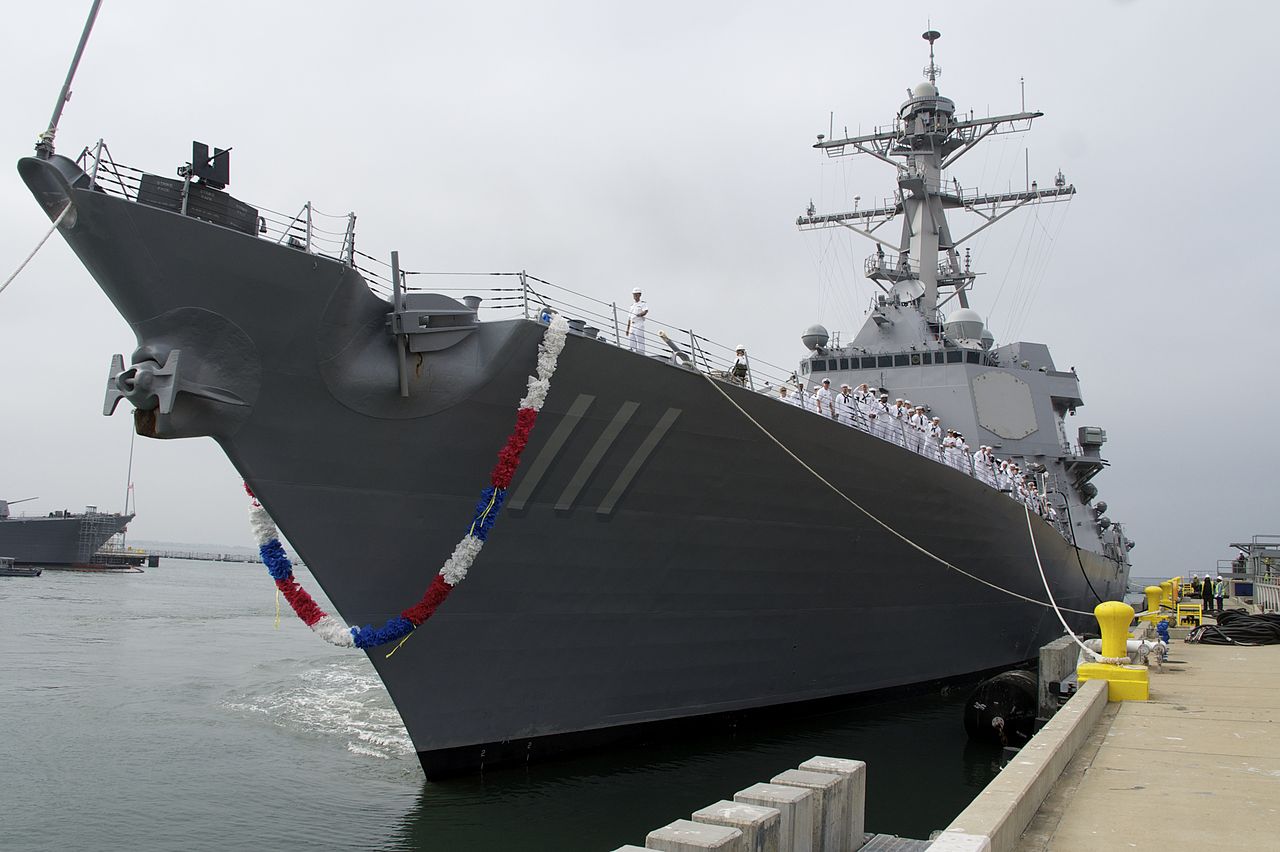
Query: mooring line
x=881 y=523
x=49 y=233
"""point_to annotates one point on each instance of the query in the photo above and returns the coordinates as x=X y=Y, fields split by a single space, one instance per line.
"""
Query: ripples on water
x=161 y=710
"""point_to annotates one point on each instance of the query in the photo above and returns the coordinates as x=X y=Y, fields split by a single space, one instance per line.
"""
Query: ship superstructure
x=923 y=342
x=666 y=553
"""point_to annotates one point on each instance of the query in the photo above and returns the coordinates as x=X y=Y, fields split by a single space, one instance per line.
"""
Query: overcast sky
x=668 y=144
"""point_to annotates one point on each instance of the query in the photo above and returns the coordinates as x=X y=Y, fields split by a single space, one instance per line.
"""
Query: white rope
x=1047 y=591
x=49 y=233
x=881 y=523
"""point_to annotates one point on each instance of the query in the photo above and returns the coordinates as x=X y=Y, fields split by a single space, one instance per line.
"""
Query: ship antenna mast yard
x=926 y=138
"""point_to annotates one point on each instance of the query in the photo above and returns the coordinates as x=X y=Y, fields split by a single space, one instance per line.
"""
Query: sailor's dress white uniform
x=822 y=398
x=917 y=431
x=636 y=336
x=982 y=466
x=935 y=441
x=844 y=405
x=884 y=419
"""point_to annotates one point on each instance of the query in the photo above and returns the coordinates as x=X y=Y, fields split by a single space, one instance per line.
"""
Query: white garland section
x=327 y=628
x=464 y=555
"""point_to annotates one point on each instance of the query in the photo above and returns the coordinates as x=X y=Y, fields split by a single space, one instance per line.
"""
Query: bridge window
x=844 y=363
x=868 y=362
x=973 y=357
x=900 y=360
x=955 y=356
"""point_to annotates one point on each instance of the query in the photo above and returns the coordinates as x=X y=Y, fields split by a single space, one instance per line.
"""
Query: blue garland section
x=278 y=565
x=491 y=500
x=370 y=637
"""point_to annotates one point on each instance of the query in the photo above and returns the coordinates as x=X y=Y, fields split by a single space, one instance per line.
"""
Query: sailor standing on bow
x=823 y=398
x=635 y=323
x=845 y=405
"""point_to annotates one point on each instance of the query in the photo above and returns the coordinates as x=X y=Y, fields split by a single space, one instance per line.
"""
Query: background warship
x=662 y=559
x=60 y=539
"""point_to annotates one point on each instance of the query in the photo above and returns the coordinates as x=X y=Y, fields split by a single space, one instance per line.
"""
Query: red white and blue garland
x=456 y=566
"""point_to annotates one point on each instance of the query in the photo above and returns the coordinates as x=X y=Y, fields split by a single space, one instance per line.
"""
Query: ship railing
x=531 y=297
x=310 y=230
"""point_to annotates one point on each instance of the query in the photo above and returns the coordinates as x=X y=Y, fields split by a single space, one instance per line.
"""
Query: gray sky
x=667 y=144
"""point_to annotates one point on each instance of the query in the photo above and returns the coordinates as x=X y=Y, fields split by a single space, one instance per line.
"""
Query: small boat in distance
x=8 y=569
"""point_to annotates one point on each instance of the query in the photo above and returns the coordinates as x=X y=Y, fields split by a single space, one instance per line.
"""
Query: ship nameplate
x=632 y=467
x=1004 y=405
x=550 y=450
x=593 y=457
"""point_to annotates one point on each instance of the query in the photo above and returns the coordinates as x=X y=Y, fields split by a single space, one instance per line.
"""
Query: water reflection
x=921 y=770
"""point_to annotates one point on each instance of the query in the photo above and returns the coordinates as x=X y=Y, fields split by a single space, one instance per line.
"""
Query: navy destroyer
x=679 y=544
x=60 y=539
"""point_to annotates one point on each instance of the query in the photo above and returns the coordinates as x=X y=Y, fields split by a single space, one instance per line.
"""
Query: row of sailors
x=911 y=426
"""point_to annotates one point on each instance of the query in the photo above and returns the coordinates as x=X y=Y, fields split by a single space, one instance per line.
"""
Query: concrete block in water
x=686 y=836
x=856 y=803
x=759 y=824
x=795 y=808
x=830 y=822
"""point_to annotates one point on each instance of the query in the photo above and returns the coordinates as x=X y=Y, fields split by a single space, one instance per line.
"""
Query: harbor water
x=166 y=710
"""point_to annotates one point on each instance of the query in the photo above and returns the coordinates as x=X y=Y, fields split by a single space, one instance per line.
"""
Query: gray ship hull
x=58 y=541
x=660 y=558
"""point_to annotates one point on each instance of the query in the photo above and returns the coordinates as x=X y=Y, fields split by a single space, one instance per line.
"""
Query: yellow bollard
x=1153 y=613
x=1124 y=682
x=1166 y=593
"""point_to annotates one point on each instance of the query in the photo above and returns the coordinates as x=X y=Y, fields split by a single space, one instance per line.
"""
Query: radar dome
x=815 y=337
x=925 y=90
x=988 y=339
x=964 y=324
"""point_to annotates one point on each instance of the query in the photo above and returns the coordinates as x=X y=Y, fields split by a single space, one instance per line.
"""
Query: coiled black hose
x=1237 y=627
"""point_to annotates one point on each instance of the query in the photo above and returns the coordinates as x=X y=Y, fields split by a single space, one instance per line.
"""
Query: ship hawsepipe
x=620 y=589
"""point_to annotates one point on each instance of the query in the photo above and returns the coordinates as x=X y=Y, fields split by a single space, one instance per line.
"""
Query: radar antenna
x=933 y=71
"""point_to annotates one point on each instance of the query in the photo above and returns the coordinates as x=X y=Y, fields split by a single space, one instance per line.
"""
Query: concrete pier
x=1204 y=751
x=1196 y=766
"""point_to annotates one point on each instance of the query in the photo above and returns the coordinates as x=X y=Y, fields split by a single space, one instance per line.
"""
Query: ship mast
x=925 y=139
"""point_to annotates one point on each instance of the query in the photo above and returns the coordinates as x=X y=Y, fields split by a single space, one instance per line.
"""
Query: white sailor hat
x=937 y=420
x=636 y=291
x=739 y=348
x=846 y=386
x=826 y=381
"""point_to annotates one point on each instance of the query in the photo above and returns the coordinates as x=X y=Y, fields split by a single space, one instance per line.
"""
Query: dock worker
x=1219 y=592
x=635 y=322
x=1207 y=593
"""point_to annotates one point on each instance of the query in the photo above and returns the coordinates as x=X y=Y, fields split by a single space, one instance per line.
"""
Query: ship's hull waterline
x=660 y=557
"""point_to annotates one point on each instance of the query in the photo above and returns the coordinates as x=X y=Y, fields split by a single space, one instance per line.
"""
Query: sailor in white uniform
x=635 y=322
x=917 y=429
x=844 y=405
x=823 y=400
x=784 y=396
x=936 y=435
